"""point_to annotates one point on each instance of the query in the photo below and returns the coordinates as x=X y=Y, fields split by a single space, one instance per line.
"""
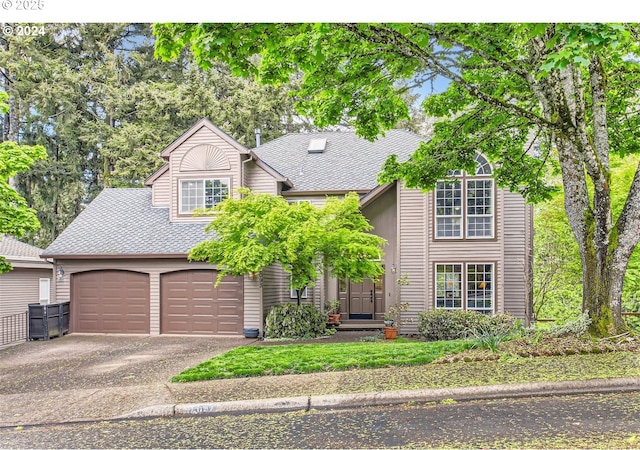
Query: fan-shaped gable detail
x=204 y=157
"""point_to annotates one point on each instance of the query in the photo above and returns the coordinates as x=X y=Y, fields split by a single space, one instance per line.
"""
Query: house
x=28 y=282
x=467 y=245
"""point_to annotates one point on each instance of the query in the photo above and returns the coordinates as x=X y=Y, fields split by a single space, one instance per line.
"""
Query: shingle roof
x=123 y=222
x=347 y=163
x=14 y=250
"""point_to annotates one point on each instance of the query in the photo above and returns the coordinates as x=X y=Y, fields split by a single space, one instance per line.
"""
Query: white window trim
x=181 y=210
x=462 y=177
x=461 y=216
x=293 y=294
x=44 y=290
x=464 y=286
x=466 y=215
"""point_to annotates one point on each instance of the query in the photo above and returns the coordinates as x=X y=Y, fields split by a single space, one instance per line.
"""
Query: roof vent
x=317 y=145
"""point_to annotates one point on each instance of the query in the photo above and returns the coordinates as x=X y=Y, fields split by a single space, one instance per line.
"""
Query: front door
x=361 y=300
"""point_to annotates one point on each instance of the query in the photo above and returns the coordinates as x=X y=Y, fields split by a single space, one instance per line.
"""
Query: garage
x=191 y=304
x=110 y=301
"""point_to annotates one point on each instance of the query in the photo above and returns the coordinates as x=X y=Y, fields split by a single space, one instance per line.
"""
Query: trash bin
x=47 y=321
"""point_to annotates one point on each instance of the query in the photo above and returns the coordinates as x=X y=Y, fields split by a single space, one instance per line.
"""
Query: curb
x=368 y=399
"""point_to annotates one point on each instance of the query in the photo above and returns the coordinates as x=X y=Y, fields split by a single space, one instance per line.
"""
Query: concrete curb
x=337 y=401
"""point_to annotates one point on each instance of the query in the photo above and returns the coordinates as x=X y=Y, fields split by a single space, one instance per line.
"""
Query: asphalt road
x=584 y=421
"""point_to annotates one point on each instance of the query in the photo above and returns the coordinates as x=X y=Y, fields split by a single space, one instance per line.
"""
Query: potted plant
x=392 y=317
x=332 y=308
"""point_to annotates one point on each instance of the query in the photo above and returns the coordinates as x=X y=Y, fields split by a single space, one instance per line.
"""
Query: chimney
x=257 y=131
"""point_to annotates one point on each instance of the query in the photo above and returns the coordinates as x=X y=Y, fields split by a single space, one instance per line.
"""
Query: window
x=479 y=208
x=471 y=290
x=470 y=209
x=196 y=194
x=448 y=209
x=292 y=293
x=45 y=291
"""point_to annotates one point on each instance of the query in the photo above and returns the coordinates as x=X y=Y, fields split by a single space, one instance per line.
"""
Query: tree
x=251 y=233
x=517 y=93
x=104 y=108
x=16 y=217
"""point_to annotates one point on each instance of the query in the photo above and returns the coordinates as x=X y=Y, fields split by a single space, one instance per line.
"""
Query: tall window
x=448 y=209
x=465 y=286
x=202 y=193
x=470 y=209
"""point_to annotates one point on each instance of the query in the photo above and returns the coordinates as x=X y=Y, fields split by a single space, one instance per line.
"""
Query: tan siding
x=252 y=301
x=161 y=191
x=202 y=136
x=382 y=214
x=153 y=267
x=154 y=300
x=516 y=248
x=20 y=287
x=257 y=179
x=272 y=278
x=317 y=200
x=413 y=251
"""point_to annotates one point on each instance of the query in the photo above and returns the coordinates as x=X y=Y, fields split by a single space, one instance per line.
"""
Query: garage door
x=191 y=304
x=110 y=301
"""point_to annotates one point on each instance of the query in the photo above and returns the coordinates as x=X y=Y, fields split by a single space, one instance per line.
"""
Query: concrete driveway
x=82 y=376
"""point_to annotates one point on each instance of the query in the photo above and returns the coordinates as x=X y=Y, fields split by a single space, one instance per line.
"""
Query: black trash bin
x=47 y=321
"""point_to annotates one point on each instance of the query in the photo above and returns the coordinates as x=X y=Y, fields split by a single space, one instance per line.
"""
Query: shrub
x=291 y=320
x=446 y=325
x=576 y=327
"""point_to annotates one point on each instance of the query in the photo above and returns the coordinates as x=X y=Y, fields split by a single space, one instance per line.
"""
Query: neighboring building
x=28 y=282
x=465 y=245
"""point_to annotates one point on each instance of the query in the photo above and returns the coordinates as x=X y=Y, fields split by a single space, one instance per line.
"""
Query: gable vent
x=317 y=145
x=204 y=157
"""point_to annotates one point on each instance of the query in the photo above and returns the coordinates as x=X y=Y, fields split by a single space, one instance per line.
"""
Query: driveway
x=83 y=376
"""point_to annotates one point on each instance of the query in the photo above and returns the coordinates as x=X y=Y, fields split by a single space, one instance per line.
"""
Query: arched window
x=466 y=203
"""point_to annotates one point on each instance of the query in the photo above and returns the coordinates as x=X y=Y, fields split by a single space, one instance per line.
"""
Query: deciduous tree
x=16 y=217
x=517 y=92
x=258 y=230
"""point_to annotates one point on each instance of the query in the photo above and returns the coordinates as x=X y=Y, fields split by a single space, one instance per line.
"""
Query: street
x=586 y=421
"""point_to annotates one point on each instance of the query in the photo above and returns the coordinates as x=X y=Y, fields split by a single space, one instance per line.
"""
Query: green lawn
x=255 y=361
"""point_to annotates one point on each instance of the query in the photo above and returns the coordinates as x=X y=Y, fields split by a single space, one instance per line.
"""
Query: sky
x=43 y=11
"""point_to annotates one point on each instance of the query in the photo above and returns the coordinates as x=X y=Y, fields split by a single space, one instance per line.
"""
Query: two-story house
x=122 y=262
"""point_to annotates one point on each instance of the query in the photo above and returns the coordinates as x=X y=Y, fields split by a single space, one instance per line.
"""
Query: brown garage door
x=110 y=301
x=191 y=304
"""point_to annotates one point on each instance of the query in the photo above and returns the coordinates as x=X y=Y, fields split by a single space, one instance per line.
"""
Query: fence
x=13 y=328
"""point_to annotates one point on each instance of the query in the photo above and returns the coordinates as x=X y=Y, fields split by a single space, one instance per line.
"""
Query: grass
x=253 y=361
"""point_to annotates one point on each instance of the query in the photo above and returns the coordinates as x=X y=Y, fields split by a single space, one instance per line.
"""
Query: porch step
x=347 y=325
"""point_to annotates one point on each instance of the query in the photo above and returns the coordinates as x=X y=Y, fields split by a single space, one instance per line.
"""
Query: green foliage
x=258 y=230
x=576 y=327
x=104 y=107
x=444 y=324
x=309 y=358
x=332 y=306
x=509 y=99
x=291 y=320
x=16 y=218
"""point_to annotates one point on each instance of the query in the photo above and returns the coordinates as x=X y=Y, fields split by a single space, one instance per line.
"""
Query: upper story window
x=465 y=206
x=196 y=194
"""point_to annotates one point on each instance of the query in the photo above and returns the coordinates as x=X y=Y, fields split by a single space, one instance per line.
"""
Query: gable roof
x=15 y=250
x=20 y=254
x=203 y=123
x=122 y=222
x=348 y=163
